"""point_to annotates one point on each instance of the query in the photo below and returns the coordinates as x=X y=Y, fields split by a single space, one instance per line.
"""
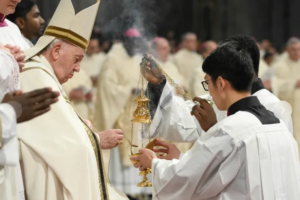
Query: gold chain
x=173 y=83
x=131 y=139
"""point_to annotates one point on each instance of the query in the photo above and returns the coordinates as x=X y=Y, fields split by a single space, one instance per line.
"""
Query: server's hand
x=170 y=150
x=31 y=104
x=110 y=139
x=150 y=71
x=204 y=113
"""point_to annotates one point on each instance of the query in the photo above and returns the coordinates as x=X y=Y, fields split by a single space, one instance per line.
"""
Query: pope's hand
x=171 y=151
x=18 y=54
x=31 y=104
x=145 y=159
x=150 y=71
x=109 y=139
x=205 y=114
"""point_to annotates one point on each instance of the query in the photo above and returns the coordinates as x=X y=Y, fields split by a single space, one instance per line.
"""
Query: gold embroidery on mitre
x=67 y=35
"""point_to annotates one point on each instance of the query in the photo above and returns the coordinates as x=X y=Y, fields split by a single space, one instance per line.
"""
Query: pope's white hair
x=52 y=44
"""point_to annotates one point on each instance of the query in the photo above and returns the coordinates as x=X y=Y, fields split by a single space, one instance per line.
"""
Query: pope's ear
x=56 y=50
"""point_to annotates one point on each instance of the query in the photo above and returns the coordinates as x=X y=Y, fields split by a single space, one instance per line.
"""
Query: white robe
x=238 y=158
x=81 y=81
x=59 y=161
x=173 y=120
x=10 y=81
x=9 y=154
x=12 y=35
x=93 y=64
x=187 y=62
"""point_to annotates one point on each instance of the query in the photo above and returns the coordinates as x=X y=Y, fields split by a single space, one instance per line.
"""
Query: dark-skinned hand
x=204 y=113
x=151 y=72
x=31 y=104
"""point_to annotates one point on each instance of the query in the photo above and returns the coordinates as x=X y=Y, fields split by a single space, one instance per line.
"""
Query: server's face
x=216 y=90
x=67 y=59
x=8 y=6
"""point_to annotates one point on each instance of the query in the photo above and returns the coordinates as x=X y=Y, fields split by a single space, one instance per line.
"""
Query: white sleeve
x=173 y=120
x=215 y=167
x=9 y=154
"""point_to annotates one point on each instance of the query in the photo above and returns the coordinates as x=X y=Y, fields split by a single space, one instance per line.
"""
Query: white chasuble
x=61 y=158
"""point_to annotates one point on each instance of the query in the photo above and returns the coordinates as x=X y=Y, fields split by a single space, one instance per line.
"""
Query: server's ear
x=221 y=83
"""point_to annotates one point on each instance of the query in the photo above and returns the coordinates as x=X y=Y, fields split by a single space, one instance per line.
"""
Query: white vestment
x=12 y=35
x=187 y=62
x=237 y=159
x=9 y=78
x=58 y=153
x=93 y=64
x=173 y=120
x=83 y=82
x=284 y=86
x=9 y=154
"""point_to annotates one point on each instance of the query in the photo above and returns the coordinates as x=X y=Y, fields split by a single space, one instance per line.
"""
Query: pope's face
x=8 y=6
x=68 y=62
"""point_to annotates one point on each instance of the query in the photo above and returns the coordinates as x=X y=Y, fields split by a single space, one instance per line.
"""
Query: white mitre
x=66 y=25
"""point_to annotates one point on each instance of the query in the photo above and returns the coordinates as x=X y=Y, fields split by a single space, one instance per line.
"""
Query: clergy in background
x=196 y=88
x=62 y=157
x=117 y=87
x=79 y=90
x=286 y=82
x=248 y=155
x=187 y=59
x=94 y=59
x=161 y=48
x=28 y=18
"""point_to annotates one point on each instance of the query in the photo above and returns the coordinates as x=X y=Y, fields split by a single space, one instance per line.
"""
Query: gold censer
x=142 y=116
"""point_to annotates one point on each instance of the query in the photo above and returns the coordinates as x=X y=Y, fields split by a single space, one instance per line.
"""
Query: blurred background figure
x=80 y=92
x=196 y=88
x=187 y=59
x=28 y=18
x=94 y=58
x=286 y=82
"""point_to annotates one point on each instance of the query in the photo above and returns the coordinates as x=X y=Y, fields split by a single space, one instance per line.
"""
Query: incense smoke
x=140 y=14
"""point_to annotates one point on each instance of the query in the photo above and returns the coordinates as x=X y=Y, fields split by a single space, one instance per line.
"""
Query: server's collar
x=257 y=85
x=243 y=105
